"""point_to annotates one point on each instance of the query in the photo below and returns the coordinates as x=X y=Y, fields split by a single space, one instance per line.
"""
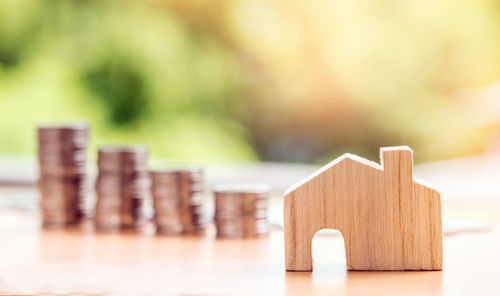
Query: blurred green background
x=237 y=80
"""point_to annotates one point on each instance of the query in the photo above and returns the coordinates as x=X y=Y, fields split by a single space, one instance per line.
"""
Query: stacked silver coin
x=178 y=201
x=122 y=186
x=62 y=174
x=241 y=210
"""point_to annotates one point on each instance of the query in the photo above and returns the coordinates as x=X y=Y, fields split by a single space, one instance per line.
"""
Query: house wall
x=388 y=221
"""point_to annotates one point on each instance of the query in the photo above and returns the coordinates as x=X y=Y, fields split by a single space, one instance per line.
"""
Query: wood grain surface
x=389 y=220
x=81 y=262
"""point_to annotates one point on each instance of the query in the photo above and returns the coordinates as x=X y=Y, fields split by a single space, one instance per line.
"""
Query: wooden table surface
x=79 y=261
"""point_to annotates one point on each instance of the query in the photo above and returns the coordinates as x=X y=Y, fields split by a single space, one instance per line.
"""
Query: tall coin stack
x=122 y=186
x=241 y=210
x=62 y=179
x=178 y=201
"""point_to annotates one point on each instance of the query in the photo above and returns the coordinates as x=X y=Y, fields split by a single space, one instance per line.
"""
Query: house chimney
x=398 y=160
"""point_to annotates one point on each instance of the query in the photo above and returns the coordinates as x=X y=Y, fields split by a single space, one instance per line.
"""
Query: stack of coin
x=241 y=210
x=62 y=179
x=122 y=186
x=178 y=201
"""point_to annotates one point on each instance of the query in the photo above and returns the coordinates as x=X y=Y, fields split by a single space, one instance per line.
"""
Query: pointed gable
x=344 y=158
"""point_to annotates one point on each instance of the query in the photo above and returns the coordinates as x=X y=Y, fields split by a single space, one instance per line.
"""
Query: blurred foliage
x=121 y=89
x=229 y=80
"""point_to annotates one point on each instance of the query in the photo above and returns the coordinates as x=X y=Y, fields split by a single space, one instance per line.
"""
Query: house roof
x=364 y=161
x=332 y=164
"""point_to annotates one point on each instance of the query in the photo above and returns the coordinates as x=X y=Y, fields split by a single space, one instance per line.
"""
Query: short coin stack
x=63 y=180
x=178 y=201
x=241 y=210
x=122 y=186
